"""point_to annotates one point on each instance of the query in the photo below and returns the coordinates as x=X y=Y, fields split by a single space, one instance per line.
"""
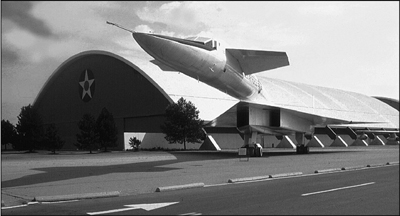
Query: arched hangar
x=91 y=80
x=136 y=92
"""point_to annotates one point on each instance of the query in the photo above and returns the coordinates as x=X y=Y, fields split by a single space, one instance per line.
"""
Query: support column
x=377 y=141
x=286 y=142
x=339 y=142
x=253 y=137
x=250 y=139
x=119 y=123
x=359 y=142
x=210 y=144
x=246 y=139
x=301 y=148
x=315 y=142
x=300 y=138
x=392 y=140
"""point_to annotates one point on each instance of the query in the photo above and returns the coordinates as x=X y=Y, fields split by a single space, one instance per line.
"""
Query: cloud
x=20 y=13
x=23 y=43
x=324 y=8
x=8 y=56
x=126 y=43
x=143 y=28
x=75 y=27
x=77 y=19
x=229 y=21
x=175 y=16
x=30 y=48
x=20 y=38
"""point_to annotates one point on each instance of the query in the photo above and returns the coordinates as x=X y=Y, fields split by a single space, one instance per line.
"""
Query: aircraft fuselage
x=211 y=65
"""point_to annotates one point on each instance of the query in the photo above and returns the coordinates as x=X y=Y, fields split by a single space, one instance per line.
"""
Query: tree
x=52 y=140
x=182 y=123
x=29 y=129
x=8 y=133
x=106 y=129
x=87 y=139
x=134 y=143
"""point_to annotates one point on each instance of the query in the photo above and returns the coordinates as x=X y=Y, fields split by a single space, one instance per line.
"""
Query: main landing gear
x=302 y=149
x=254 y=150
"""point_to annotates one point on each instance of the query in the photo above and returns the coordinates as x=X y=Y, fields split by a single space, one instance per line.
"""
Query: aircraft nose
x=146 y=41
x=153 y=45
x=165 y=50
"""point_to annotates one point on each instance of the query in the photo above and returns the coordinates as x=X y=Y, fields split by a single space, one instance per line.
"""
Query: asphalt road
x=372 y=191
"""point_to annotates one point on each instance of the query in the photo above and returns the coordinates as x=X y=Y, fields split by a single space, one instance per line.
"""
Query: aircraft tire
x=255 y=152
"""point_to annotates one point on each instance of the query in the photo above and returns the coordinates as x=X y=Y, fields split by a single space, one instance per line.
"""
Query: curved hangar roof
x=91 y=80
x=330 y=102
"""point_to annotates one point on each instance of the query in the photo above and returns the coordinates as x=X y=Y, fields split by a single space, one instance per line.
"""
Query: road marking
x=147 y=207
x=298 y=176
x=11 y=207
x=214 y=185
x=335 y=189
x=191 y=213
x=56 y=202
x=18 y=206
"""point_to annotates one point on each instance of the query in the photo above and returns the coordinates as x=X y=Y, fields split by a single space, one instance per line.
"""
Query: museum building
x=136 y=92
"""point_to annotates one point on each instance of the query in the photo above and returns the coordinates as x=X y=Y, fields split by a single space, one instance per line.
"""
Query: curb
x=247 y=179
x=178 y=187
x=392 y=163
x=263 y=177
x=353 y=168
x=356 y=167
x=75 y=196
x=327 y=170
x=285 y=174
x=375 y=165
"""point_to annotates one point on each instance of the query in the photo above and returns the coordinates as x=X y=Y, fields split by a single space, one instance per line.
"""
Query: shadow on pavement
x=51 y=174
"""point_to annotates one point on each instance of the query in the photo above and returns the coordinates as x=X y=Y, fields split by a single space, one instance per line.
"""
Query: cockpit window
x=204 y=42
x=199 y=39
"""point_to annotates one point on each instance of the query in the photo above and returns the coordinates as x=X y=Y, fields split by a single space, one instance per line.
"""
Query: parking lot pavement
x=26 y=176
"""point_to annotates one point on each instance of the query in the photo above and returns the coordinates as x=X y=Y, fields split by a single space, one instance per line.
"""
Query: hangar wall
x=151 y=141
x=91 y=80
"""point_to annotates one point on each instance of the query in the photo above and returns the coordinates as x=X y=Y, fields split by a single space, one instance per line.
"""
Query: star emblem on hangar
x=86 y=85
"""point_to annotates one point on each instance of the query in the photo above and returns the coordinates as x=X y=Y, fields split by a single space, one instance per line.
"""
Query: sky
x=353 y=46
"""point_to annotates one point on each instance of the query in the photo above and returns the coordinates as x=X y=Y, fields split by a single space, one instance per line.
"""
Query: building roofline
x=57 y=72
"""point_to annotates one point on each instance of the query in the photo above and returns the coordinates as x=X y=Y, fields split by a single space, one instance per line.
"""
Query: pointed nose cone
x=165 y=49
x=158 y=47
x=146 y=41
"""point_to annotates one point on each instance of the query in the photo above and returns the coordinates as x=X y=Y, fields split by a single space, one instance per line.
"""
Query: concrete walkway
x=42 y=175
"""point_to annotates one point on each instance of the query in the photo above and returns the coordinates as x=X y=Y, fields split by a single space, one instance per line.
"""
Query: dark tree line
x=8 y=133
x=182 y=125
x=100 y=133
x=31 y=134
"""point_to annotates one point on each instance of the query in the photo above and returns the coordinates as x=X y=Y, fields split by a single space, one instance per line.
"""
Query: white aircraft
x=269 y=106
